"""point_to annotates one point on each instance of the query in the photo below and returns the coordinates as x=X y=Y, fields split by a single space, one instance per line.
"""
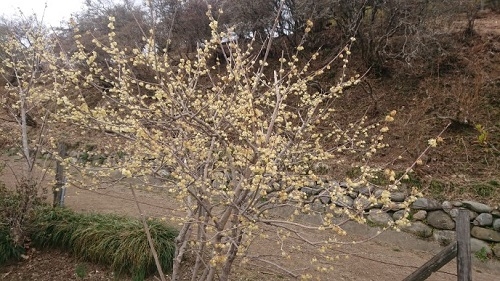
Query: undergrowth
x=8 y=251
x=111 y=240
x=115 y=241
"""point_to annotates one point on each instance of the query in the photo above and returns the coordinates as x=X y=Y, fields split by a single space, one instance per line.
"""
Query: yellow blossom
x=432 y=142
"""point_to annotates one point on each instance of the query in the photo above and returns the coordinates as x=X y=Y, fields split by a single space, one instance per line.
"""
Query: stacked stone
x=434 y=220
x=429 y=218
x=485 y=222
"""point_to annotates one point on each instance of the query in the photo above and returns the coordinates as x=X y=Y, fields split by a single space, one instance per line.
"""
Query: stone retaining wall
x=429 y=218
x=436 y=220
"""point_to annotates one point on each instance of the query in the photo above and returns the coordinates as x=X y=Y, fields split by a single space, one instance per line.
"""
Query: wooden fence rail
x=459 y=249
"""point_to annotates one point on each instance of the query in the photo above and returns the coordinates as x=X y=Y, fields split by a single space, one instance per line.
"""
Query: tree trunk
x=180 y=247
x=24 y=135
x=237 y=236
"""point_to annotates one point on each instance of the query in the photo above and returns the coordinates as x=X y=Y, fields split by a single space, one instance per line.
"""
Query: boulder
x=398 y=215
x=368 y=190
x=343 y=184
x=440 y=220
x=420 y=215
x=477 y=207
x=485 y=234
x=496 y=250
x=324 y=197
x=365 y=204
x=419 y=229
x=443 y=237
x=483 y=219
x=426 y=204
x=454 y=214
x=476 y=245
x=310 y=191
x=496 y=224
x=398 y=196
x=379 y=217
x=344 y=201
x=393 y=206
x=496 y=213
x=447 y=206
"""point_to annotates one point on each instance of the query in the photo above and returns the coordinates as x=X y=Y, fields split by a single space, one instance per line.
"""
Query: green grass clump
x=111 y=240
x=8 y=251
x=482 y=255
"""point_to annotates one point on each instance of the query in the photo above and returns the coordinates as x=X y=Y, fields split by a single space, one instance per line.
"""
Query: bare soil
x=390 y=256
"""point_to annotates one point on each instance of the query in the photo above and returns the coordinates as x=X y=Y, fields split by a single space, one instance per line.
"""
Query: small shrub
x=9 y=251
x=8 y=248
x=16 y=208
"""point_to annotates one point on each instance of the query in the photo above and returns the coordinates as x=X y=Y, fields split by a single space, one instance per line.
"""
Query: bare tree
x=27 y=69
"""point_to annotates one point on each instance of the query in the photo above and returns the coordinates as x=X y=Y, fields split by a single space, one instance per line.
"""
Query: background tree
x=27 y=69
x=91 y=26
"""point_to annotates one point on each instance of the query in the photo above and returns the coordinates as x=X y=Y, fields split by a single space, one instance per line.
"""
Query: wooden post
x=464 y=260
x=58 y=189
x=459 y=249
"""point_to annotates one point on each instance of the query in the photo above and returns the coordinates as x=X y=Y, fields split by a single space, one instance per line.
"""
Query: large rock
x=379 y=217
x=496 y=250
x=419 y=229
x=420 y=215
x=325 y=197
x=398 y=196
x=484 y=219
x=443 y=237
x=454 y=213
x=496 y=213
x=310 y=191
x=398 y=215
x=393 y=206
x=477 y=245
x=365 y=204
x=496 y=224
x=477 y=207
x=344 y=201
x=447 y=206
x=485 y=234
x=368 y=190
x=426 y=204
x=440 y=220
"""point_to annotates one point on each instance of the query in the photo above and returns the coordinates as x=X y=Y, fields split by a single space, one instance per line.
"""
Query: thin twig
x=148 y=234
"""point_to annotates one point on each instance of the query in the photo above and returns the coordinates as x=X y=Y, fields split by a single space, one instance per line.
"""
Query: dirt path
x=391 y=256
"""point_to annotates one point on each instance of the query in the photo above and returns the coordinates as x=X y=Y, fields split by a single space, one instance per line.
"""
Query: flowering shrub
x=241 y=139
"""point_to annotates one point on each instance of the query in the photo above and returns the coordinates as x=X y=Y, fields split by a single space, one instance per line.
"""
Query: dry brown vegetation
x=446 y=76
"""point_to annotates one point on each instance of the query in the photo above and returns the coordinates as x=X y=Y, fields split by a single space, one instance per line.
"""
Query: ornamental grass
x=111 y=240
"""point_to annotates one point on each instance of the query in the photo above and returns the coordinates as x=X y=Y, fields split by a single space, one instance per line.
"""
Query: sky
x=56 y=11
